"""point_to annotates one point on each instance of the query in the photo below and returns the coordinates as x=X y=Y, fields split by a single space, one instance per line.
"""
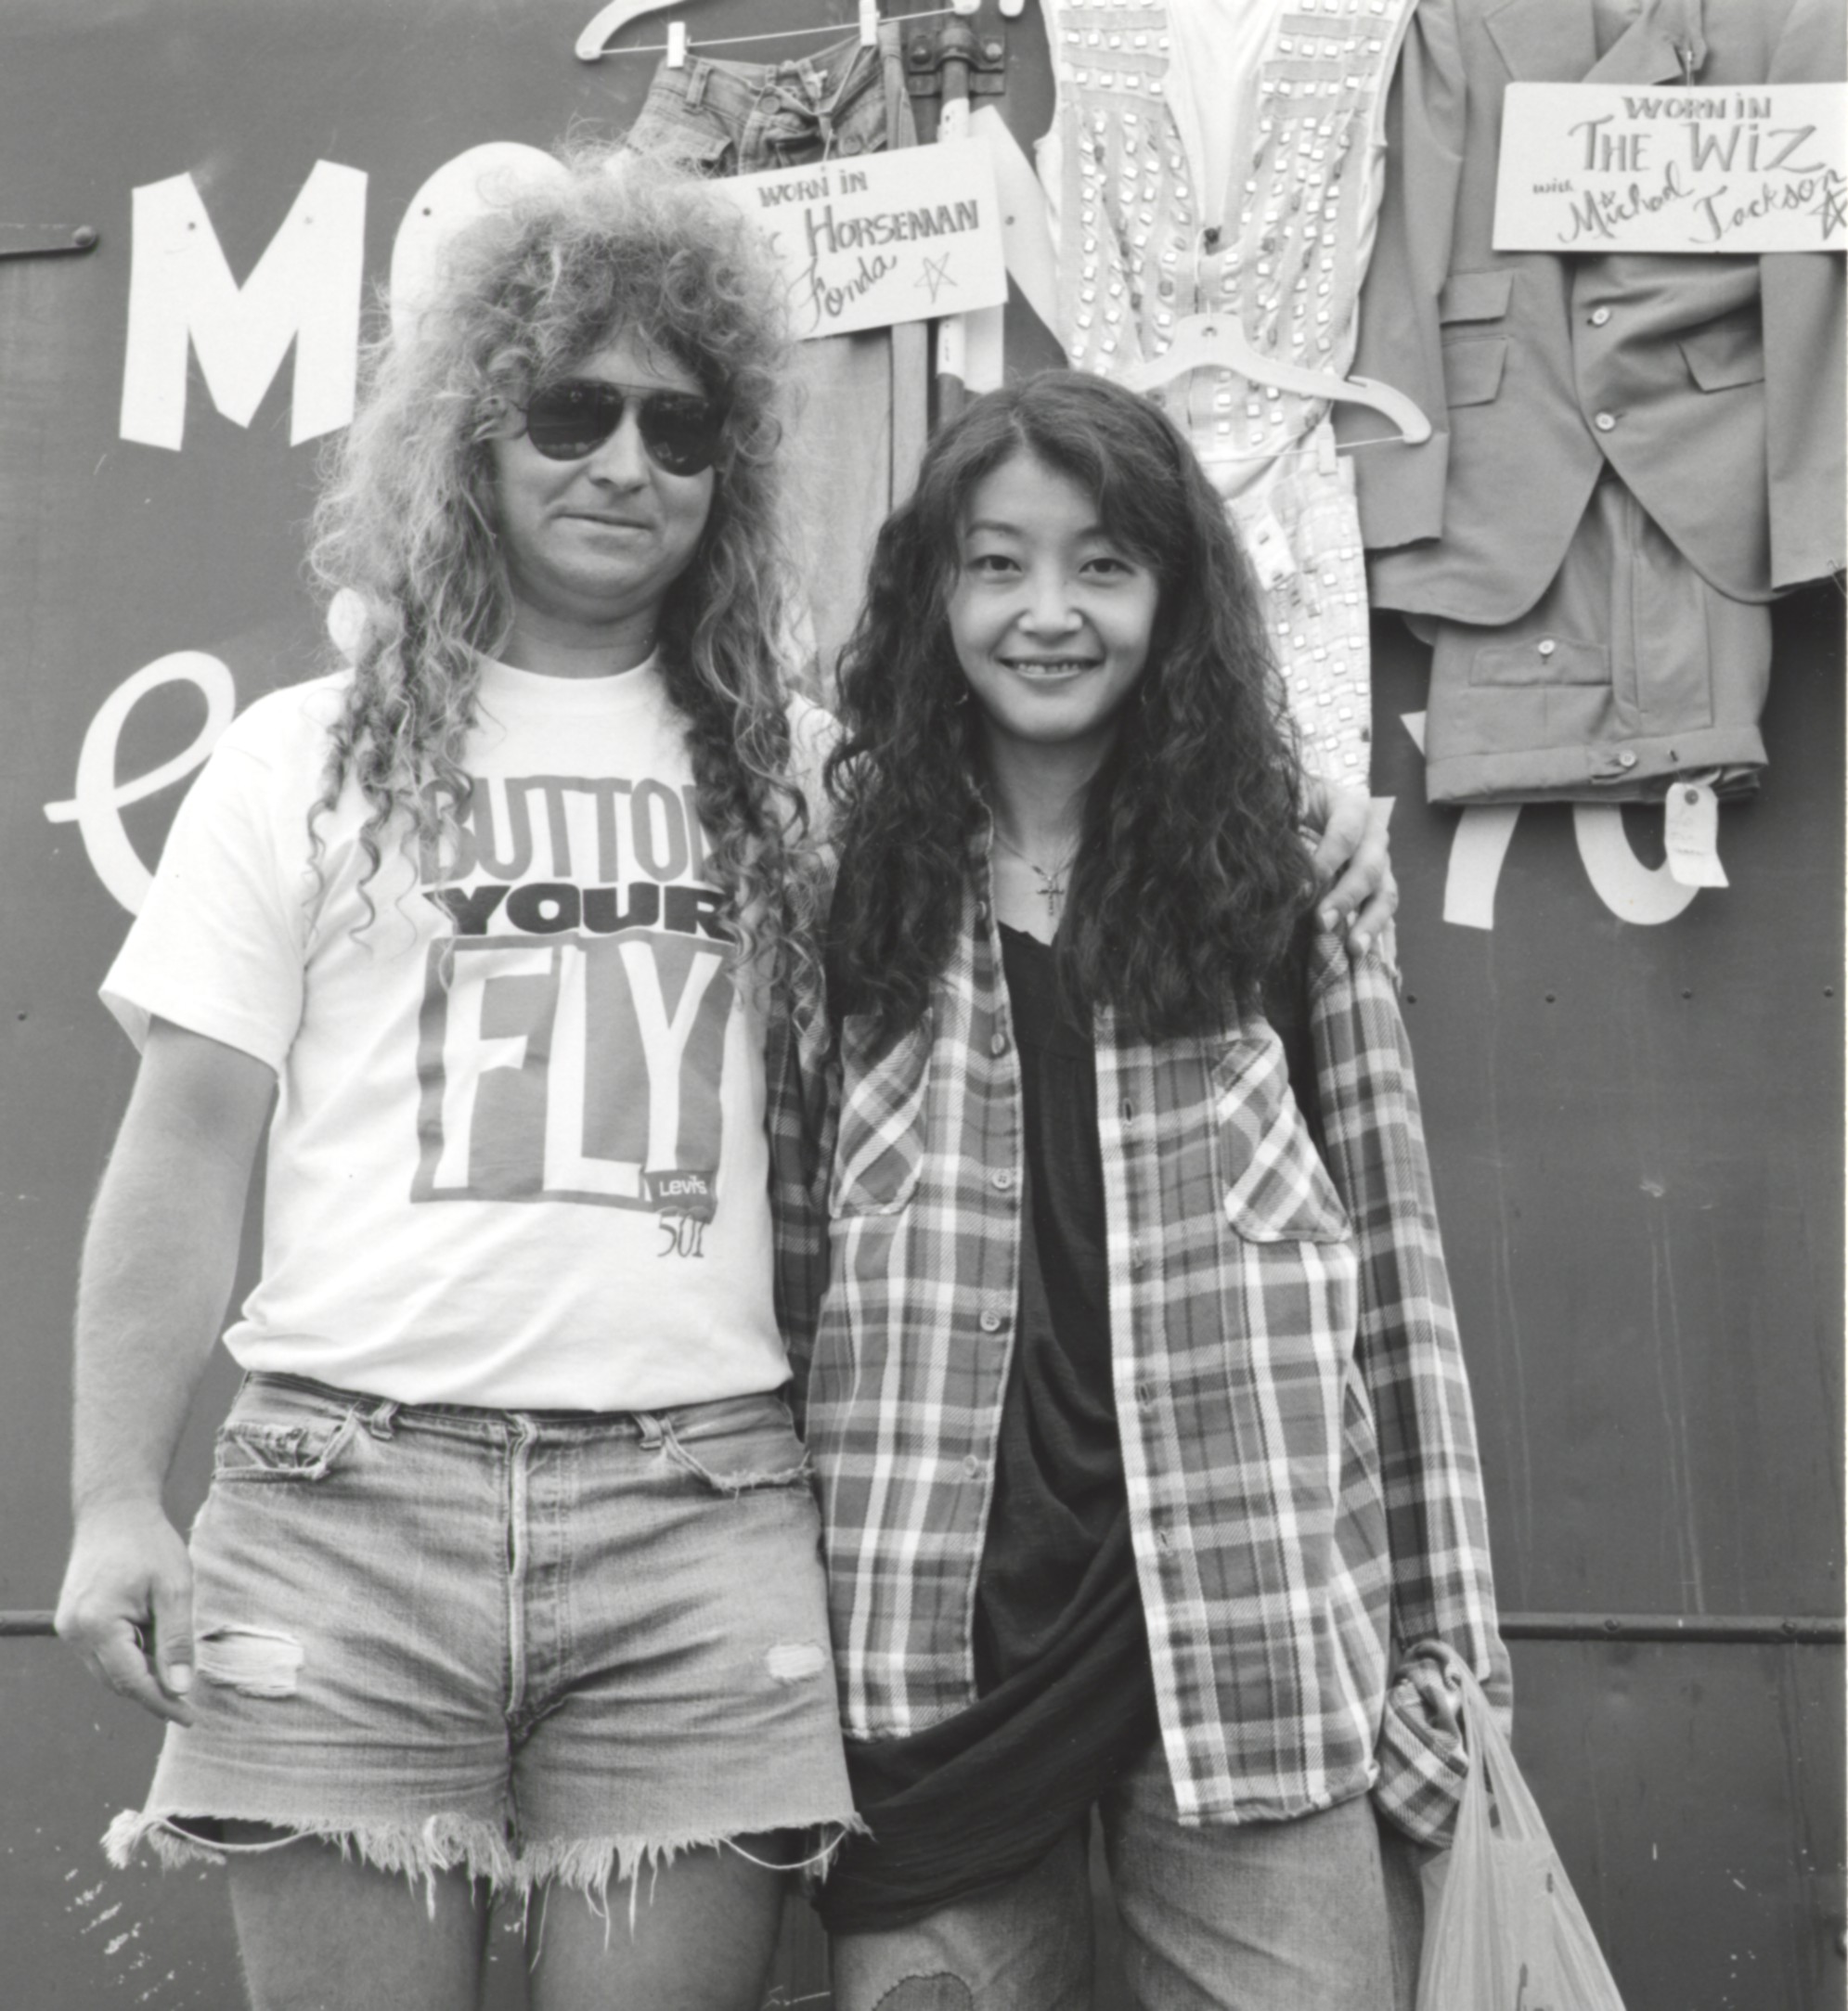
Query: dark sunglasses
x=680 y=429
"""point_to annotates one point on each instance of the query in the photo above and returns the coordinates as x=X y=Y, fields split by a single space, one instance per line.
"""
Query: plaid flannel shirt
x=1298 y=1440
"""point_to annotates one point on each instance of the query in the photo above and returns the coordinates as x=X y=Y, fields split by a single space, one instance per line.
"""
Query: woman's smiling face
x=1051 y=616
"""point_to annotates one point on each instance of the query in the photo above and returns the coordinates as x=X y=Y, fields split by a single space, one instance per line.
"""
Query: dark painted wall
x=1634 y=1128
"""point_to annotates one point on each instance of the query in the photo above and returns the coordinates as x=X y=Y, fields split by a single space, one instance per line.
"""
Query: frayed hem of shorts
x=417 y=1851
x=591 y=1864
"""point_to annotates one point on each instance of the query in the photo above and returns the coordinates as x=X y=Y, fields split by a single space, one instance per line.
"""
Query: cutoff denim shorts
x=532 y=1646
x=723 y=118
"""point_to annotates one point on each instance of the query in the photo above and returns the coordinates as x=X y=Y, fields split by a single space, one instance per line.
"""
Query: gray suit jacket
x=1719 y=378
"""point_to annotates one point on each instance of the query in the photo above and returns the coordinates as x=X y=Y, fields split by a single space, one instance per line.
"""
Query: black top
x=1066 y=1694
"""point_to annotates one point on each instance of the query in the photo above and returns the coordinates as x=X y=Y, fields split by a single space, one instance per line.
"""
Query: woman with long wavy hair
x=1145 y=1447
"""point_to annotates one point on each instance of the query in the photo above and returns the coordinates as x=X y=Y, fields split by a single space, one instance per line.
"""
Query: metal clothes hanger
x=1218 y=343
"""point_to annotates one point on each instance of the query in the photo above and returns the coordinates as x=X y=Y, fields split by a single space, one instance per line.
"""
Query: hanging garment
x=860 y=427
x=1209 y=156
x=1633 y=452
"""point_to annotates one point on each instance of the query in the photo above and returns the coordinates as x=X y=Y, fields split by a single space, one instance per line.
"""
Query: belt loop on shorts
x=651 y=1432
x=696 y=83
x=381 y=1417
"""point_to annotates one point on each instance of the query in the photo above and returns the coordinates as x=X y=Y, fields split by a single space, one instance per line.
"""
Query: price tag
x=1692 y=831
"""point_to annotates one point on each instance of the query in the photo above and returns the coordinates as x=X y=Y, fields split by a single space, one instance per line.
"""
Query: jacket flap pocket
x=1472 y=368
x=1727 y=352
x=879 y=1149
x=1476 y=296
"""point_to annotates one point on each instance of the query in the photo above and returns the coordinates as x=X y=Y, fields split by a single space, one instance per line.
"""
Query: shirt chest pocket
x=879 y=1145
x=1276 y=1189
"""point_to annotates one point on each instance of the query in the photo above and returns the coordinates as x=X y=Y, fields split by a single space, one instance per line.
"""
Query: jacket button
x=1627 y=759
x=972 y=1466
x=1547 y=645
x=1599 y=315
x=1605 y=422
x=1001 y=1181
x=1145 y=1396
x=990 y=1322
x=1138 y=1254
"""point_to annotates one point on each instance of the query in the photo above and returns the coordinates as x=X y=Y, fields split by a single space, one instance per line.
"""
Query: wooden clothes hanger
x=1218 y=343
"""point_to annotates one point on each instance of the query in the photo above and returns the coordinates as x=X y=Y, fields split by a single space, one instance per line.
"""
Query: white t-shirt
x=518 y=1156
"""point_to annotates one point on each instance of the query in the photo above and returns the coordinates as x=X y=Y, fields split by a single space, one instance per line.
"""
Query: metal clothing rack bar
x=1813 y=1629
x=1809 y=1630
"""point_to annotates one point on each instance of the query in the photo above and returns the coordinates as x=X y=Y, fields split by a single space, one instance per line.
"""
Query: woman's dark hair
x=1190 y=875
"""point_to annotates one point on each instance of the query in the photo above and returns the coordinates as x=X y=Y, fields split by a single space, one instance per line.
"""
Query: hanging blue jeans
x=860 y=428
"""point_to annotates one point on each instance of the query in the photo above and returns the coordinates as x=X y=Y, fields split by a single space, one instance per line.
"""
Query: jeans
x=1318 y=1913
x=853 y=449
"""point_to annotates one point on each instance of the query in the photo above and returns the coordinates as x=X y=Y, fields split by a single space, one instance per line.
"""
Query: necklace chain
x=1052 y=879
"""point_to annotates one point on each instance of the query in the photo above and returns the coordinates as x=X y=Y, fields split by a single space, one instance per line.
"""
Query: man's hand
x=158 y=1261
x=1353 y=866
x=126 y=1605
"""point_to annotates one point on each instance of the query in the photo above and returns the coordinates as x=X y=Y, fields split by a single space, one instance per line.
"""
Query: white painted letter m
x=305 y=290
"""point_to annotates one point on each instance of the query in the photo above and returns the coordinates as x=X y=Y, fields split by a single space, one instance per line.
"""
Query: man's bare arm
x=159 y=1261
x=1352 y=860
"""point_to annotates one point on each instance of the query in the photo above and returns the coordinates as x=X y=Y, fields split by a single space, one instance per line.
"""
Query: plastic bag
x=1504 y=1930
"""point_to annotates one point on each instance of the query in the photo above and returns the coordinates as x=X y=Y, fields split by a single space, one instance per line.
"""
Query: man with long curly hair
x=507 y=1580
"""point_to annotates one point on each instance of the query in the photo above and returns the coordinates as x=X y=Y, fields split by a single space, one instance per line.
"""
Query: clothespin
x=1011 y=9
x=676 y=45
x=869 y=25
x=965 y=7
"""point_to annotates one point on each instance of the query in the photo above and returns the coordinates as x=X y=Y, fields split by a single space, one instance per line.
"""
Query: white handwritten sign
x=1615 y=167
x=882 y=237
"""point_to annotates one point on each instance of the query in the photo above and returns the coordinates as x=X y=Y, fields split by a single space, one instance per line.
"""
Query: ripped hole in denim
x=256 y=1661
x=938 y=1992
x=790 y=1661
x=763 y=1453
